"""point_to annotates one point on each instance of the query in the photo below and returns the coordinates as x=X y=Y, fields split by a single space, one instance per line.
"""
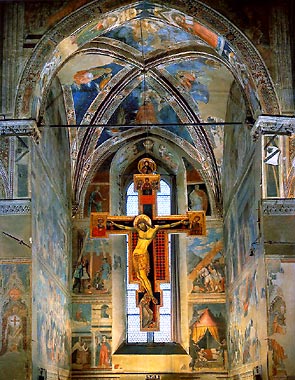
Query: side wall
x=247 y=346
x=51 y=253
x=15 y=290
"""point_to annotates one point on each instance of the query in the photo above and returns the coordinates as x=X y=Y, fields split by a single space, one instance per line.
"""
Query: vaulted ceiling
x=149 y=70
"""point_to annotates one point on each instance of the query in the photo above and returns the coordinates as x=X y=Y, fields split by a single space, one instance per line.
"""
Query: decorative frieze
x=15 y=207
x=283 y=206
x=22 y=127
x=273 y=125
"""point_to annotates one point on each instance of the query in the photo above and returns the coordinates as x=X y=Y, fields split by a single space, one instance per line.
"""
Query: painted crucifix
x=148 y=243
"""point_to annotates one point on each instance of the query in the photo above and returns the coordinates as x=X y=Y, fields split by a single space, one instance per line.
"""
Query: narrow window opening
x=134 y=334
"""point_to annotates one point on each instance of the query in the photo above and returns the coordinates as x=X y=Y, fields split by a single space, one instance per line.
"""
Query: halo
x=143 y=217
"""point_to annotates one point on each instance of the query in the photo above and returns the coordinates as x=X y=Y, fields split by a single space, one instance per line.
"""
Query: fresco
x=88 y=83
x=92 y=318
x=147 y=35
x=239 y=139
x=16 y=234
x=91 y=338
x=290 y=180
x=91 y=352
x=206 y=262
x=247 y=215
x=216 y=135
x=244 y=344
x=81 y=352
x=53 y=326
x=158 y=26
x=208 y=336
x=192 y=77
x=51 y=234
x=231 y=242
x=93 y=268
x=39 y=17
x=97 y=199
x=22 y=161
x=198 y=198
x=145 y=105
x=81 y=317
x=281 y=315
x=52 y=209
x=15 y=323
x=51 y=222
x=103 y=352
x=271 y=166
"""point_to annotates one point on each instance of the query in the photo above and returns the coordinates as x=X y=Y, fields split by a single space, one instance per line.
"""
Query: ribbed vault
x=146 y=69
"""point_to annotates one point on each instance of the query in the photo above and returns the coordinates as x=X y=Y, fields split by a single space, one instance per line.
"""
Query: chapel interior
x=147 y=190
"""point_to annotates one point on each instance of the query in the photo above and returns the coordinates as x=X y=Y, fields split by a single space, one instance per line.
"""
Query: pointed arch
x=58 y=45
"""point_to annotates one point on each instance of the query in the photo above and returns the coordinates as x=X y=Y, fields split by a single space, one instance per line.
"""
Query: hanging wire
x=144 y=82
x=146 y=126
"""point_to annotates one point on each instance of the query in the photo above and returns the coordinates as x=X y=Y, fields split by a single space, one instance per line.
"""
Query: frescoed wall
x=92 y=271
x=247 y=213
x=4 y=165
x=143 y=78
x=208 y=348
x=235 y=158
x=97 y=198
x=51 y=254
x=15 y=320
x=53 y=322
x=92 y=303
x=91 y=350
x=16 y=232
x=206 y=269
x=281 y=310
x=241 y=202
x=244 y=342
x=247 y=344
x=52 y=222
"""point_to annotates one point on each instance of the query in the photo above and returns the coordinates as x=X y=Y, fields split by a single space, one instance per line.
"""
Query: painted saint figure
x=85 y=274
x=147 y=187
x=99 y=229
x=198 y=199
x=103 y=353
x=140 y=260
x=95 y=200
x=105 y=272
x=80 y=352
x=77 y=282
x=146 y=113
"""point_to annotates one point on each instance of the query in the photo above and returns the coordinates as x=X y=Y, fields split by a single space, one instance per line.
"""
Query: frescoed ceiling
x=150 y=66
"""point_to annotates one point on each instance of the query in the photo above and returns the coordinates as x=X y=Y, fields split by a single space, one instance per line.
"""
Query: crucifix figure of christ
x=140 y=256
x=148 y=241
